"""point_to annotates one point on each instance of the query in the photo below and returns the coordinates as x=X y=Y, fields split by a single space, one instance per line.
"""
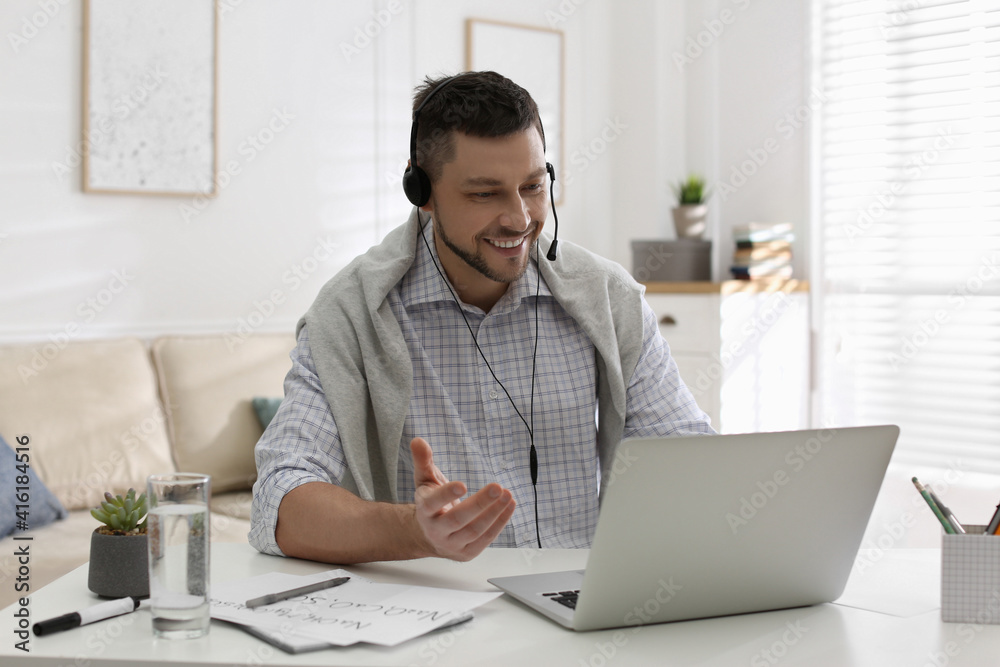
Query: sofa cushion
x=234 y=505
x=28 y=503
x=92 y=412
x=207 y=384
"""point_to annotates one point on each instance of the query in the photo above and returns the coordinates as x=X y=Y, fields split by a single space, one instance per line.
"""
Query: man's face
x=489 y=206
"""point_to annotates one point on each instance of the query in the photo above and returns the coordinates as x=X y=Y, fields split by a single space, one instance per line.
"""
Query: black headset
x=417 y=184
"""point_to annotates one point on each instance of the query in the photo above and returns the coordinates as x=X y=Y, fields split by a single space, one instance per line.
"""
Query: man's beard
x=477 y=261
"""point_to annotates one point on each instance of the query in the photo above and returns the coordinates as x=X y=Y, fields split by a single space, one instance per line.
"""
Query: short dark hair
x=480 y=104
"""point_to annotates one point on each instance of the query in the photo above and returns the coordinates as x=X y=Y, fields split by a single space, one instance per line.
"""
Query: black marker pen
x=98 y=612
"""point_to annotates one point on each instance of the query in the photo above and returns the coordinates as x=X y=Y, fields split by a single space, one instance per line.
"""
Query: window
x=908 y=224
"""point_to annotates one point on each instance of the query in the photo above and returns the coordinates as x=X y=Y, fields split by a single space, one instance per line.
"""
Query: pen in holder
x=970 y=577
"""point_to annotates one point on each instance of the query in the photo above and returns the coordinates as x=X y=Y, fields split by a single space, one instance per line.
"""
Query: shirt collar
x=423 y=284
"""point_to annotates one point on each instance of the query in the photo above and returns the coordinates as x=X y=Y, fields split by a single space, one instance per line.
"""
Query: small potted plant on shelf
x=691 y=211
x=118 y=548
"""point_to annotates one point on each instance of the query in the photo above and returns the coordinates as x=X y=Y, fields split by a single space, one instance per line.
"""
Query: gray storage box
x=671 y=260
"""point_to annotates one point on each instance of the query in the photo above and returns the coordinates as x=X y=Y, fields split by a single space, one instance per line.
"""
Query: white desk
x=506 y=633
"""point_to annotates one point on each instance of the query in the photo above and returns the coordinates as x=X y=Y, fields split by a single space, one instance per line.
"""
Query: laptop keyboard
x=567 y=598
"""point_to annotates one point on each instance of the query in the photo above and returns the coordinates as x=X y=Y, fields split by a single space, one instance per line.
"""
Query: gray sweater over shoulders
x=364 y=366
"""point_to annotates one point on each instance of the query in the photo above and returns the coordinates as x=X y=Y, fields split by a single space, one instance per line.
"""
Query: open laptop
x=701 y=526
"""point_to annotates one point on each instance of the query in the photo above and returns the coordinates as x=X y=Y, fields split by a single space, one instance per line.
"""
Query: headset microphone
x=551 y=254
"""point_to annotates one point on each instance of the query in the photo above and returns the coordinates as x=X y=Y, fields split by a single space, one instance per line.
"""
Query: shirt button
x=493 y=393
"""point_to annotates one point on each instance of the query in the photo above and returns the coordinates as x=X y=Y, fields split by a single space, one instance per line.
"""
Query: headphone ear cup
x=417 y=186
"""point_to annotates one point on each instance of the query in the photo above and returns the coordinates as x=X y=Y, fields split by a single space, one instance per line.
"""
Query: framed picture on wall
x=531 y=57
x=149 y=96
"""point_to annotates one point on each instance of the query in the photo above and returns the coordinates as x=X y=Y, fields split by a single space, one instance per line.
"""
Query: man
x=451 y=359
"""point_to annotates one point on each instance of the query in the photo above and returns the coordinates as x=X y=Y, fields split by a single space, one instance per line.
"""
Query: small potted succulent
x=691 y=211
x=118 y=548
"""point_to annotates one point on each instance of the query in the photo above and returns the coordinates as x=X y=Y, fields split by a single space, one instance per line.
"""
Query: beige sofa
x=103 y=415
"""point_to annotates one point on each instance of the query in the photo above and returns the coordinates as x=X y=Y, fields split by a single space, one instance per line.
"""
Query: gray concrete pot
x=689 y=220
x=119 y=565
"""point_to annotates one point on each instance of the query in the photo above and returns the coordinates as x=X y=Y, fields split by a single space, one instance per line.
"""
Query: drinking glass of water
x=179 y=553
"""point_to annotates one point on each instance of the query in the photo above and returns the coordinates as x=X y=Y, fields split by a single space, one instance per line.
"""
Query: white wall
x=648 y=93
x=746 y=69
x=326 y=186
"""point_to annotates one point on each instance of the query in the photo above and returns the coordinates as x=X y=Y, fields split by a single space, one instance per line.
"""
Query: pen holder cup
x=970 y=577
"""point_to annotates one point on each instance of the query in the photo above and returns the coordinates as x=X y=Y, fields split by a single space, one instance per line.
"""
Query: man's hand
x=454 y=528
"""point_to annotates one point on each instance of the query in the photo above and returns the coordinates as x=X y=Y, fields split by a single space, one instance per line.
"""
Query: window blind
x=908 y=224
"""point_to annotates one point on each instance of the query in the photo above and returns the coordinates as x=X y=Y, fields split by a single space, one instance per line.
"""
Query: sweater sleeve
x=300 y=445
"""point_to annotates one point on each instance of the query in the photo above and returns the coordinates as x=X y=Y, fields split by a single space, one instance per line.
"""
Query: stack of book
x=763 y=250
